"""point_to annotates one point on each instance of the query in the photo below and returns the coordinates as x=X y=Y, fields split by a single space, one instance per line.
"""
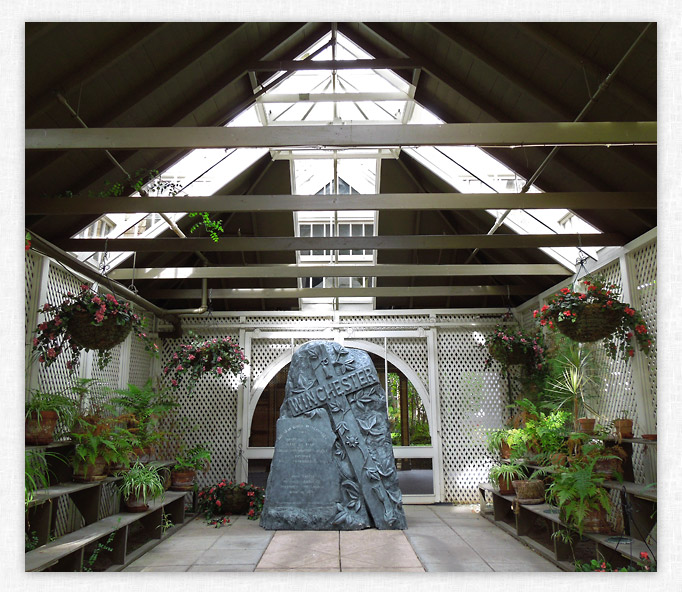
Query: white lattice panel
x=140 y=364
x=644 y=267
x=264 y=352
x=30 y=282
x=414 y=352
x=467 y=412
x=208 y=415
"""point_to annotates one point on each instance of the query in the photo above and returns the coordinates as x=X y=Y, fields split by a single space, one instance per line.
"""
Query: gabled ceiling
x=138 y=75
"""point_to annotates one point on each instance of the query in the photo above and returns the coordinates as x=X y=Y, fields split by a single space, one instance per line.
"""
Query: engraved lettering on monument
x=333 y=467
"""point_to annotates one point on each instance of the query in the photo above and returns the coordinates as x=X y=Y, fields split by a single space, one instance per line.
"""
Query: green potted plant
x=43 y=412
x=139 y=485
x=593 y=312
x=577 y=491
x=187 y=463
x=95 y=446
x=504 y=474
x=199 y=356
x=143 y=409
x=89 y=321
x=496 y=442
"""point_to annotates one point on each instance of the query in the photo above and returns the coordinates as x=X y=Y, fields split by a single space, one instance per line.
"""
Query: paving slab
x=439 y=538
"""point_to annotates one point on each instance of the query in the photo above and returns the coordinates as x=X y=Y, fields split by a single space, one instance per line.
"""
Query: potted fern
x=577 y=490
x=187 y=463
x=141 y=484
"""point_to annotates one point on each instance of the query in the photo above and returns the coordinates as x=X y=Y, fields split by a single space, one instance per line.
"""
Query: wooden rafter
x=383 y=201
x=594 y=133
x=290 y=243
x=339 y=270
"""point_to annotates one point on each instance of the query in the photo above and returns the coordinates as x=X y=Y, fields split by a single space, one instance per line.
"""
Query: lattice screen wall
x=471 y=403
x=209 y=414
x=471 y=400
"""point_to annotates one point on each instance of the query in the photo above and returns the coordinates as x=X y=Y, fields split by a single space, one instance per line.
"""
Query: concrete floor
x=439 y=538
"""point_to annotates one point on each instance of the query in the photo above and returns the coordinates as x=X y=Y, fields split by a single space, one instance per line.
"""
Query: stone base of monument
x=333 y=467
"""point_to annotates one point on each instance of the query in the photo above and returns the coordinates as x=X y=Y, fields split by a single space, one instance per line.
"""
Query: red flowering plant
x=595 y=312
x=87 y=320
x=644 y=564
x=216 y=355
x=217 y=502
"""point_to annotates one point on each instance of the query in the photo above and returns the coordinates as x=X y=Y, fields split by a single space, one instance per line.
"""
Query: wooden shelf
x=67 y=551
x=521 y=521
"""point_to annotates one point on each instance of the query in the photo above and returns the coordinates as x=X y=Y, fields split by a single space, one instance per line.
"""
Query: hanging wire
x=132 y=287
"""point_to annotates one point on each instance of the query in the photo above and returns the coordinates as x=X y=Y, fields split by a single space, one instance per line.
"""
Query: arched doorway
x=408 y=412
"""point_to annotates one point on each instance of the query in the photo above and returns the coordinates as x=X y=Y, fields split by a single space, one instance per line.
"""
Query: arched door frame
x=428 y=395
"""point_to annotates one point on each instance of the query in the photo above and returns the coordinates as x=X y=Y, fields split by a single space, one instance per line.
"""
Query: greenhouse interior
x=213 y=384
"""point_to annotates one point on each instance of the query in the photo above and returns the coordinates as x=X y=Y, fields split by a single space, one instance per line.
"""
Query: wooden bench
x=67 y=552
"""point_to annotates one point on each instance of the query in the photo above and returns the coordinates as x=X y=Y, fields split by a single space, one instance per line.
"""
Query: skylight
x=344 y=97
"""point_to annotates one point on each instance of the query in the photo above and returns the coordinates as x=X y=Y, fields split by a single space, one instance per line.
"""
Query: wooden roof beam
x=591 y=200
x=290 y=243
x=338 y=270
x=415 y=291
x=510 y=135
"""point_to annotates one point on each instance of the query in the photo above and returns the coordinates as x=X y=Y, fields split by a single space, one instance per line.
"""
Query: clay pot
x=559 y=459
x=504 y=488
x=182 y=480
x=40 y=430
x=93 y=472
x=595 y=521
x=135 y=504
x=586 y=425
x=623 y=428
x=505 y=450
x=608 y=467
x=530 y=491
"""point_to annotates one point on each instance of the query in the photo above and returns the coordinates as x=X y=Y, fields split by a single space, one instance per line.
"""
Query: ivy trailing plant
x=148 y=182
x=212 y=227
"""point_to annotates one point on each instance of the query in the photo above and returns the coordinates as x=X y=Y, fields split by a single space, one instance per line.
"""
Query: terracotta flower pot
x=586 y=425
x=135 y=504
x=505 y=450
x=40 y=431
x=92 y=472
x=504 y=488
x=182 y=480
x=595 y=521
x=623 y=428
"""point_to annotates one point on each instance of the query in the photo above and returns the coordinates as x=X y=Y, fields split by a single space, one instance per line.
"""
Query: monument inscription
x=333 y=466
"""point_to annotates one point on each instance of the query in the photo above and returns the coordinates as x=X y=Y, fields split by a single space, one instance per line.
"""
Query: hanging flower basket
x=215 y=355
x=595 y=313
x=506 y=356
x=104 y=336
x=593 y=323
x=510 y=346
x=90 y=321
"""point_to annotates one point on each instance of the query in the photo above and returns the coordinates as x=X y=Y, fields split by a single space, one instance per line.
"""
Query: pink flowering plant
x=53 y=336
x=217 y=501
x=215 y=355
x=594 y=295
x=510 y=345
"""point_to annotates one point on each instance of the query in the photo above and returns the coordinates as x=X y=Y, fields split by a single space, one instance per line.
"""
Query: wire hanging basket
x=104 y=336
x=592 y=323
